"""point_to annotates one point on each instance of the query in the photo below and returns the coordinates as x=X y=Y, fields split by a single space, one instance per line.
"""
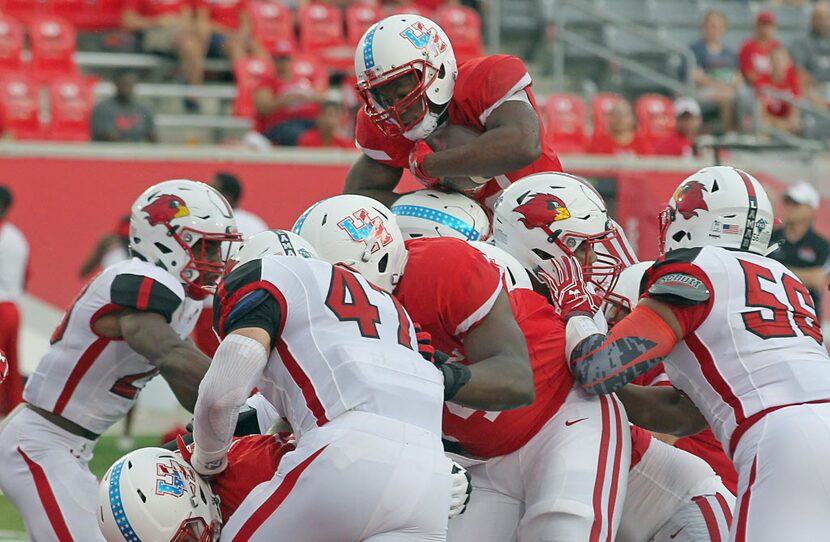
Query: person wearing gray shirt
x=121 y=118
x=811 y=54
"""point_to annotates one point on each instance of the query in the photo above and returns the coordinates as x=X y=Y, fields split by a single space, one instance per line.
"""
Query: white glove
x=207 y=467
x=462 y=486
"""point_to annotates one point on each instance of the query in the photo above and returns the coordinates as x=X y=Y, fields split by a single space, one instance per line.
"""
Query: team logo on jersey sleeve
x=164 y=209
x=542 y=210
x=689 y=199
x=365 y=229
x=422 y=37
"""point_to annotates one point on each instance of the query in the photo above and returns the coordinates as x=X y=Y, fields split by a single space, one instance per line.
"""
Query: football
x=449 y=137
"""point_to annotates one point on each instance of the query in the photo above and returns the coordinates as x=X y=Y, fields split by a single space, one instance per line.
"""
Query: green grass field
x=106 y=453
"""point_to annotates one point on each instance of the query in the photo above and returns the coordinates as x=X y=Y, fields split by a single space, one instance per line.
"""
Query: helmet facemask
x=207 y=254
x=196 y=530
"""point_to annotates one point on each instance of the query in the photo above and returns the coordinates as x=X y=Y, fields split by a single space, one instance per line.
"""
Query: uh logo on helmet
x=365 y=229
x=422 y=37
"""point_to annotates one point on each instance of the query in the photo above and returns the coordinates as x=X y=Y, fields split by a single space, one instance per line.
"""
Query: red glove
x=417 y=156
x=567 y=288
x=425 y=347
x=4 y=366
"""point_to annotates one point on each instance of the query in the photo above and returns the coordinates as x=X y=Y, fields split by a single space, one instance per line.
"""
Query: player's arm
x=662 y=409
x=500 y=377
x=510 y=142
x=373 y=179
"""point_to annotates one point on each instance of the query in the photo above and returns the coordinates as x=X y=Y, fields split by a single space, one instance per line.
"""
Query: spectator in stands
x=110 y=249
x=167 y=27
x=287 y=104
x=802 y=250
x=777 y=111
x=716 y=75
x=811 y=54
x=328 y=131
x=621 y=136
x=755 y=56
x=14 y=262
x=687 y=127
x=121 y=118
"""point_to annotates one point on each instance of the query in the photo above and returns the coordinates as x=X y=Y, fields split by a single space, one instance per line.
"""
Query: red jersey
x=156 y=8
x=789 y=85
x=483 y=84
x=603 y=143
x=754 y=59
x=673 y=144
x=312 y=138
x=306 y=110
x=224 y=12
x=251 y=460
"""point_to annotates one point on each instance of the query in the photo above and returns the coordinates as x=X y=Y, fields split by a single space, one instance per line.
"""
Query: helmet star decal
x=689 y=199
x=542 y=210
x=164 y=209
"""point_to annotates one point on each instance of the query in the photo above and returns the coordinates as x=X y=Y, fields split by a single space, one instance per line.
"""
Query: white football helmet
x=277 y=242
x=400 y=45
x=514 y=273
x=177 y=225
x=719 y=206
x=626 y=293
x=434 y=213
x=153 y=495
x=547 y=215
x=359 y=233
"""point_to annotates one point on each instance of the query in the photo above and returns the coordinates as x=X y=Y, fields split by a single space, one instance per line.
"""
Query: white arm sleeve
x=236 y=368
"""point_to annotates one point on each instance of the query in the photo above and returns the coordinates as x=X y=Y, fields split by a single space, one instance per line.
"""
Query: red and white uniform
x=92 y=381
x=523 y=488
x=754 y=363
x=14 y=262
x=364 y=405
x=483 y=85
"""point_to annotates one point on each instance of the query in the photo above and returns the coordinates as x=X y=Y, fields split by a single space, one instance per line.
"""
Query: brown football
x=449 y=137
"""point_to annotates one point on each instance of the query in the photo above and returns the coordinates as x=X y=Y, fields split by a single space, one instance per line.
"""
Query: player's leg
x=45 y=476
x=575 y=472
x=670 y=490
x=784 y=477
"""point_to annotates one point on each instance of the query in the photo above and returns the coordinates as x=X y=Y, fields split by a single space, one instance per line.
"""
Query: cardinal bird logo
x=164 y=209
x=542 y=210
x=689 y=199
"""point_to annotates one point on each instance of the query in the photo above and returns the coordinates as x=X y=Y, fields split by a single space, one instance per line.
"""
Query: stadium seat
x=273 y=25
x=359 y=17
x=102 y=15
x=564 y=116
x=463 y=26
x=11 y=44
x=600 y=106
x=53 y=47
x=309 y=67
x=23 y=10
x=321 y=34
x=248 y=74
x=655 y=115
x=19 y=106
x=71 y=100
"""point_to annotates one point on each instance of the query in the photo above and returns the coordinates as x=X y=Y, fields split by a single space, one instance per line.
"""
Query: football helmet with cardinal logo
x=359 y=233
x=183 y=226
x=721 y=206
x=398 y=47
x=548 y=215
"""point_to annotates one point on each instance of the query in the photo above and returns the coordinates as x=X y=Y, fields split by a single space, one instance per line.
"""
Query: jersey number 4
x=349 y=302
x=779 y=325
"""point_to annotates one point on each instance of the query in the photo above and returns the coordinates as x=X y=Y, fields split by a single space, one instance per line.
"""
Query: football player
x=127 y=325
x=739 y=338
x=340 y=360
x=410 y=85
x=522 y=486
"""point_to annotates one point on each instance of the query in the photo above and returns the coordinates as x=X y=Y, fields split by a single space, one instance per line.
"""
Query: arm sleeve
x=145 y=294
x=256 y=309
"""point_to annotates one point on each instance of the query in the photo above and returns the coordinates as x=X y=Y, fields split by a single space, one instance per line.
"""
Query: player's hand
x=567 y=288
x=425 y=347
x=462 y=487
x=207 y=469
x=417 y=156
x=4 y=367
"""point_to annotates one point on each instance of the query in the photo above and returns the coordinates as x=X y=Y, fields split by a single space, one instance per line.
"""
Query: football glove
x=462 y=487
x=567 y=288
x=420 y=150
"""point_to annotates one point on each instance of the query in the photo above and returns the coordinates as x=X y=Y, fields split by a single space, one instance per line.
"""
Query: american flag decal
x=731 y=228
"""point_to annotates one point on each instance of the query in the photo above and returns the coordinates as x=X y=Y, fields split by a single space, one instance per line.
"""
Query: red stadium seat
x=309 y=67
x=321 y=34
x=564 y=116
x=53 y=47
x=102 y=15
x=23 y=10
x=359 y=17
x=249 y=73
x=273 y=25
x=11 y=44
x=655 y=115
x=71 y=100
x=19 y=106
x=600 y=106
x=463 y=26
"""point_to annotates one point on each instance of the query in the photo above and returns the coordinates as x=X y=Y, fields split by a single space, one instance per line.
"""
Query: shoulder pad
x=679 y=289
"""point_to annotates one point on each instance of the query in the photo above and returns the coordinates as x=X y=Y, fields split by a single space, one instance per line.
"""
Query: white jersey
x=342 y=345
x=91 y=380
x=759 y=345
x=14 y=259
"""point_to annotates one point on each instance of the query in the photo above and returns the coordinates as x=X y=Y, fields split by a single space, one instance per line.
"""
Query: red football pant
x=11 y=391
